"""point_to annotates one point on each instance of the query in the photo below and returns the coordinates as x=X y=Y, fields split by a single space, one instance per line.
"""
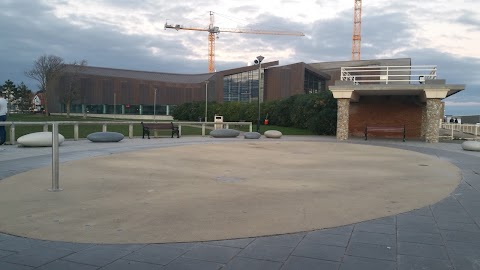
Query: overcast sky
x=130 y=34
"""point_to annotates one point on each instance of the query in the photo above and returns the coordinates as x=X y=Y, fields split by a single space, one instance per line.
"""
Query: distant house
x=38 y=102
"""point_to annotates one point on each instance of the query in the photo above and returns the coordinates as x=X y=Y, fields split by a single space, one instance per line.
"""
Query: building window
x=313 y=83
x=241 y=87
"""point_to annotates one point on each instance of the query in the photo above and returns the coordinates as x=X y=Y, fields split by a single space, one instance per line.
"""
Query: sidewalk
x=445 y=235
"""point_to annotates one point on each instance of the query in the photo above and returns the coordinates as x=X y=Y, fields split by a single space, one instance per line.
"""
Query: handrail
x=388 y=74
x=105 y=124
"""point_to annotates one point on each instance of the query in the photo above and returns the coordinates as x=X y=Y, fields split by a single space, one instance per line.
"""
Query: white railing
x=77 y=125
x=388 y=74
x=470 y=129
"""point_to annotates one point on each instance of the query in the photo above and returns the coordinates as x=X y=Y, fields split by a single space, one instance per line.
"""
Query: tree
x=25 y=96
x=70 y=86
x=9 y=91
x=45 y=70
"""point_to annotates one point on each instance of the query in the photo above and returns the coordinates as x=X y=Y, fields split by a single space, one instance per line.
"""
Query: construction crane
x=357 y=29
x=213 y=32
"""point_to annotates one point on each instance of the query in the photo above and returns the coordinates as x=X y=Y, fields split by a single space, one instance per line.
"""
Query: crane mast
x=215 y=30
x=357 y=29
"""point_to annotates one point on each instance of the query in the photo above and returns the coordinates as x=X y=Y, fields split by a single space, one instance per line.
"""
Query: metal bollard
x=55 y=159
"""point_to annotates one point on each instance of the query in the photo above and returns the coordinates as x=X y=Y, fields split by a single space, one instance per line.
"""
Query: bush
x=315 y=112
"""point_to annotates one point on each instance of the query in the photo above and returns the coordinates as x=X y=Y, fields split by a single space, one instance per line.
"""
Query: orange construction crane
x=215 y=30
x=357 y=29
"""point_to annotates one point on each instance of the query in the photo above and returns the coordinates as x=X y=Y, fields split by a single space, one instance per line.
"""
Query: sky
x=130 y=34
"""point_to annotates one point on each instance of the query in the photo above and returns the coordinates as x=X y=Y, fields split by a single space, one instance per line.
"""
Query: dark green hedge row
x=315 y=112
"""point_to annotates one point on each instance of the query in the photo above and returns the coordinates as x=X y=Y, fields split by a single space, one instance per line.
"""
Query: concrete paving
x=443 y=235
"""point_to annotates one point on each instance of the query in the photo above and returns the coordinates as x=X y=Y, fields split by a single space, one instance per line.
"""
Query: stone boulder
x=252 y=135
x=39 y=139
x=273 y=134
x=105 y=137
x=224 y=133
x=471 y=146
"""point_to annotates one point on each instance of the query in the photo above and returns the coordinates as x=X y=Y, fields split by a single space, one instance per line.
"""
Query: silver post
x=154 y=104
x=206 y=100
x=55 y=159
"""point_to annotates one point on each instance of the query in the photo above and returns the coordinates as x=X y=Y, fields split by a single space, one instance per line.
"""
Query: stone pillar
x=343 y=109
x=123 y=109
x=433 y=115
x=424 y=121
x=104 y=109
x=168 y=110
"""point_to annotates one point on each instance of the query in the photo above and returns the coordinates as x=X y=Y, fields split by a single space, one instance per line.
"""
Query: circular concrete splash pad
x=221 y=191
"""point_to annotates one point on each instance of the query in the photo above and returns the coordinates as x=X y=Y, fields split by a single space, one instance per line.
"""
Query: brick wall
x=386 y=111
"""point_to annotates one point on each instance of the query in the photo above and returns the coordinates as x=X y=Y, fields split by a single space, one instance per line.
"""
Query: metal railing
x=469 y=129
x=77 y=124
x=388 y=74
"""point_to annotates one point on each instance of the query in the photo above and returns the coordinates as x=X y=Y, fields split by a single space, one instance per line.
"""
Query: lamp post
x=258 y=61
x=206 y=100
x=154 y=104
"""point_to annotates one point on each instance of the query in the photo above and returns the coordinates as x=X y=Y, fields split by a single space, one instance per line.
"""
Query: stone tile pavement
x=445 y=235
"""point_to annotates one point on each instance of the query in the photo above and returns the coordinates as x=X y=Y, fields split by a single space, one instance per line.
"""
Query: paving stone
x=469 y=237
x=424 y=211
x=238 y=243
x=344 y=230
x=66 y=265
x=373 y=251
x=300 y=263
x=129 y=265
x=287 y=240
x=358 y=263
x=411 y=262
x=65 y=245
x=4 y=253
x=262 y=252
x=156 y=254
x=192 y=264
x=419 y=228
x=36 y=257
x=11 y=266
x=404 y=219
x=375 y=228
x=100 y=255
x=374 y=238
x=464 y=227
x=211 y=253
x=239 y=263
x=466 y=261
x=422 y=250
x=315 y=250
x=463 y=248
x=385 y=220
x=328 y=239
x=4 y=237
x=422 y=238
x=16 y=244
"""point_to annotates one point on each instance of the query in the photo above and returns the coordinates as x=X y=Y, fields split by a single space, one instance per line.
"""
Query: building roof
x=142 y=75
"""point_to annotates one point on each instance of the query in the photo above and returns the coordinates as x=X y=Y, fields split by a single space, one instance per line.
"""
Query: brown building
x=382 y=92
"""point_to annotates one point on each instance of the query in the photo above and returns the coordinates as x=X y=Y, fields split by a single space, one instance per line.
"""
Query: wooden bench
x=390 y=129
x=146 y=127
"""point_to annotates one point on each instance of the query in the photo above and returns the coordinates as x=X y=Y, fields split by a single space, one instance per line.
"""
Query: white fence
x=469 y=129
x=388 y=74
x=76 y=125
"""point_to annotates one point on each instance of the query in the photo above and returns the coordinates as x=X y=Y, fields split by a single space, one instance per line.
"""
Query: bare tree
x=45 y=69
x=70 y=83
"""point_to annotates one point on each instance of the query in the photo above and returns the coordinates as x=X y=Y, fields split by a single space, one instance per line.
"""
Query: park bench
x=389 y=129
x=147 y=127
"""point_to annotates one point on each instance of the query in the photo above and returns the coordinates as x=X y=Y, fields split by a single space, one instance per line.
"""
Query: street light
x=206 y=100
x=258 y=62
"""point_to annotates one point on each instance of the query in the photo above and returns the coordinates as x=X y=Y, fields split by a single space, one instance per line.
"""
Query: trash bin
x=218 y=119
x=265 y=122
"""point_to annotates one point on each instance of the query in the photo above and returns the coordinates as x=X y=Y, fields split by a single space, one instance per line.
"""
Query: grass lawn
x=85 y=129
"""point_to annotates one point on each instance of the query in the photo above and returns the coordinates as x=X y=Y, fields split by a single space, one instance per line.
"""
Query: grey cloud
x=471 y=19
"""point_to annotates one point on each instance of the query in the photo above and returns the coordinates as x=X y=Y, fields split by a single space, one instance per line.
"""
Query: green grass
x=85 y=129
